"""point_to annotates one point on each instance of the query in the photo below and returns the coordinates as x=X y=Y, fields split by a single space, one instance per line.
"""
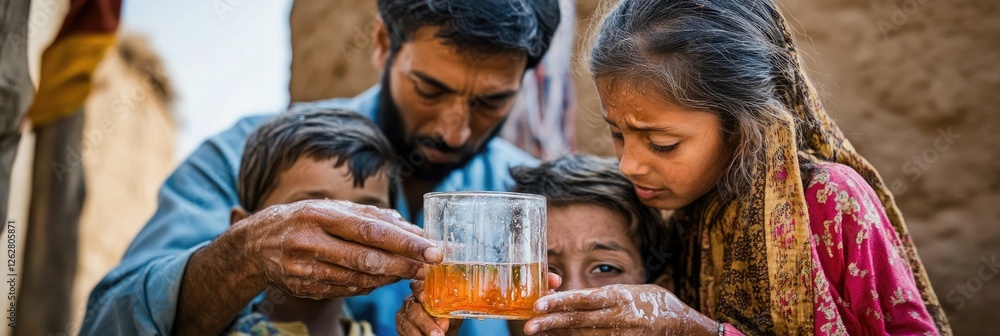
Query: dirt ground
x=897 y=76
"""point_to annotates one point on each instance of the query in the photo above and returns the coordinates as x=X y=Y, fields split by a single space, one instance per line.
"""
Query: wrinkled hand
x=414 y=320
x=618 y=310
x=325 y=249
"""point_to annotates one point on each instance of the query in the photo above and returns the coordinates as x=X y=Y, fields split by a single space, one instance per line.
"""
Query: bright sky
x=226 y=59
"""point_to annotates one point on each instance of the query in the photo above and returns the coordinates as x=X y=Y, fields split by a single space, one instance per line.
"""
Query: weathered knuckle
x=299 y=210
x=296 y=243
x=295 y=268
x=414 y=245
x=372 y=233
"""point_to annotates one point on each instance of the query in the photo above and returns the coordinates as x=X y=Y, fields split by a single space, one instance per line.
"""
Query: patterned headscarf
x=748 y=261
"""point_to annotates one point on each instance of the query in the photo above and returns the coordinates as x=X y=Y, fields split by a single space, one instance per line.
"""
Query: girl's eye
x=617 y=135
x=605 y=269
x=662 y=149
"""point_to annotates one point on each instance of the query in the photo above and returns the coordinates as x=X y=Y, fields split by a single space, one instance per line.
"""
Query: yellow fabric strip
x=291 y=328
x=67 y=67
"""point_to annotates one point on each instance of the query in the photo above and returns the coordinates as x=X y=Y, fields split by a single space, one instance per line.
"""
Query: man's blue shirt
x=139 y=296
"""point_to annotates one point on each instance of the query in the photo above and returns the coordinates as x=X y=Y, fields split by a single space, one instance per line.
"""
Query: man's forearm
x=218 y=282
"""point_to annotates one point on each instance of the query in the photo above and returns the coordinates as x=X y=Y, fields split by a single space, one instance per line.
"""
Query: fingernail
x=541 y=306
x=433 y=254
x=436 y=333
x=531 y=329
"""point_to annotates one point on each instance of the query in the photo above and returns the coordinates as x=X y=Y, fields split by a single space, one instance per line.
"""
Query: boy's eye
x=605 y=269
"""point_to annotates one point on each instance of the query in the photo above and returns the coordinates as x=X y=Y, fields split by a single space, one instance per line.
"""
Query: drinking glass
x=494 y=254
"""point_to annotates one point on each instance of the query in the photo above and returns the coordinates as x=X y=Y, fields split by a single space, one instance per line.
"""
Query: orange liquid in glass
x=478 y=290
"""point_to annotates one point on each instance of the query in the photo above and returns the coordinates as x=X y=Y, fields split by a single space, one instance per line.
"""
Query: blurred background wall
x=913 y=84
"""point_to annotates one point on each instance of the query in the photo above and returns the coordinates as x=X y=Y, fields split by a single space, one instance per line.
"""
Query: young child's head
x=599 y=233
x=315 y=154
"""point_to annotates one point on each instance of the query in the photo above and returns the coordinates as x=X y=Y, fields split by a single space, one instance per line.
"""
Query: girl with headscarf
x=782 y=227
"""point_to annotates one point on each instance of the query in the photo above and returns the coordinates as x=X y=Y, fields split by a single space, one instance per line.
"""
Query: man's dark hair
x=479 y=26
x=319 y=134
x=585 y=179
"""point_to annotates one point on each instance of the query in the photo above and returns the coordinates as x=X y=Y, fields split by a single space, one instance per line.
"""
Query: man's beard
x=412 y=162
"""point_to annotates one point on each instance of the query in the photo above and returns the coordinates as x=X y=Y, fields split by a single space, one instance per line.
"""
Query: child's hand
x=414 y=320
x=619 y=310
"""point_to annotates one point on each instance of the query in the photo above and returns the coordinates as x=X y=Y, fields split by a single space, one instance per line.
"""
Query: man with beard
x=451 y=70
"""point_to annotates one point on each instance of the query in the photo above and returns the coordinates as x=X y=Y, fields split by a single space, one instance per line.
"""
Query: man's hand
x=328 y=249
x=316 y=249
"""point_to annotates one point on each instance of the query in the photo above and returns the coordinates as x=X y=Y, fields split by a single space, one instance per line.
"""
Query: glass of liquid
x=494 y=254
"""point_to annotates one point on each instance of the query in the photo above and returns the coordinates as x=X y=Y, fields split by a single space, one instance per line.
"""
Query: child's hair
x=585 y=179
x=319 y=134
x=730 y=58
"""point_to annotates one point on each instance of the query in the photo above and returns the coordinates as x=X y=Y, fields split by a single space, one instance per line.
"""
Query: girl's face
x=671 y=154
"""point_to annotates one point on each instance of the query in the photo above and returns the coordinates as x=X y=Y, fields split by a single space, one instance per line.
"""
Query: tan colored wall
x=890 y=95
x=128 y=151
x=331 y=48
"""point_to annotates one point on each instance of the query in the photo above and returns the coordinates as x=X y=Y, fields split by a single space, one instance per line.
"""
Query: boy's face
x=589 y=247
x=308 y=178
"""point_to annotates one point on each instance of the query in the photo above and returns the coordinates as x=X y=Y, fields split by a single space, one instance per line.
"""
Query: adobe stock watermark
x=658 y=260
x=362 y=39
x=45 y=12
x=916 y=166
x=965 y=291
x=224 y=7
x=901 y=14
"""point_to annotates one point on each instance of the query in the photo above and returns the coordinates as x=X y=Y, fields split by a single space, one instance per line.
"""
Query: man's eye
x=486 y=104
x=605 y=269
x=428 y=93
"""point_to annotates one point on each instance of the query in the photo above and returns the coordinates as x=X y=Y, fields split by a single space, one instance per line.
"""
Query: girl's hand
x=619 y=310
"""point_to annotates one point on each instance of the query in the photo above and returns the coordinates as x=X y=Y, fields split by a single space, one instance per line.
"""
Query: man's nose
x=454 y=124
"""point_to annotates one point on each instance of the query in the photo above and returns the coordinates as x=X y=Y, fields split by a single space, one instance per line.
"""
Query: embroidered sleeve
x=863 y=284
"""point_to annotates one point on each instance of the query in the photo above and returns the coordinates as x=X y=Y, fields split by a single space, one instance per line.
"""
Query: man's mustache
x=438 y=144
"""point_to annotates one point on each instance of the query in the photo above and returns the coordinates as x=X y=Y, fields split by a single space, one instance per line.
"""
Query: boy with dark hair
x=598 y=233
x=311 y=155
